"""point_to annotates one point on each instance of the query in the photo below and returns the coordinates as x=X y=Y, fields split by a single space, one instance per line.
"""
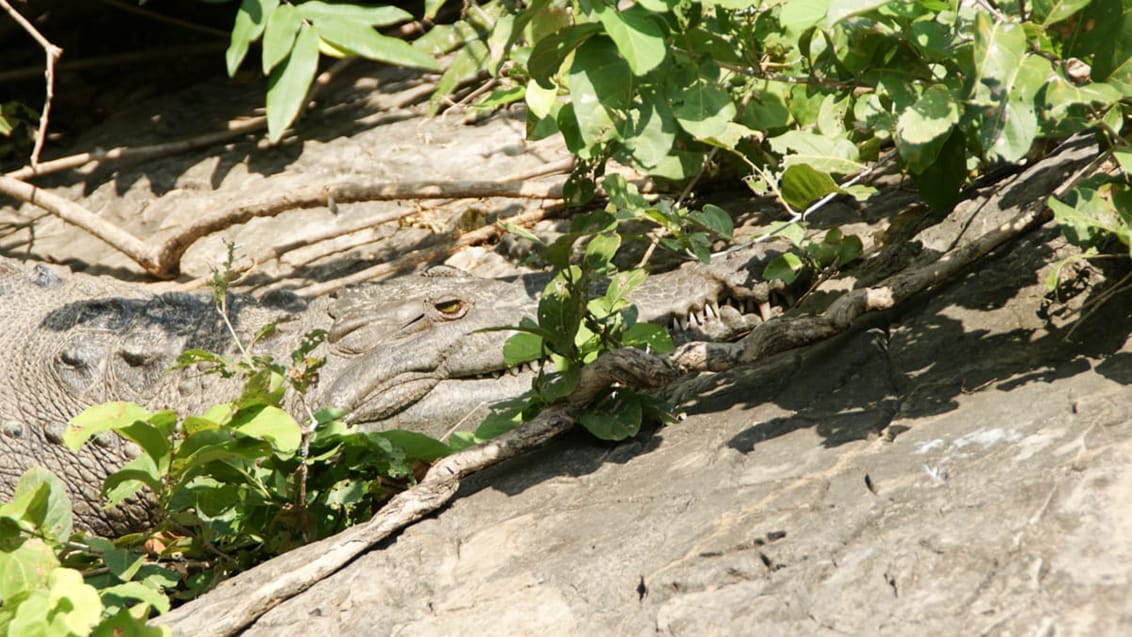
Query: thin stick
x=116 y=59
x=417 y=257
x=233 y=128
x=52 y=53
x=158 y=17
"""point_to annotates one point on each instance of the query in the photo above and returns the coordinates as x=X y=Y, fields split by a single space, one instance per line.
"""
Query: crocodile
x=408 y=353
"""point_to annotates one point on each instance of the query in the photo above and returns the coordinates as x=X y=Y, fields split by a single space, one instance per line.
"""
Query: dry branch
x=168 y=255
x=429 y=255
x=75 y=214
x=164 y=259
x=52 y=54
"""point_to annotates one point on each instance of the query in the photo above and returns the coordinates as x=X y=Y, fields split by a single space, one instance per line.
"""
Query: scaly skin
x=401 y=354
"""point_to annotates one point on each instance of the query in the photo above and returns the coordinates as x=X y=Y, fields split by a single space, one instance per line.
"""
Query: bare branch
x=52 y=53
x=77 y=215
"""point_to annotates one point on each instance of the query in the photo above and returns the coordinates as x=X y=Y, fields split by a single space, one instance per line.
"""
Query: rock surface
x=957 y=467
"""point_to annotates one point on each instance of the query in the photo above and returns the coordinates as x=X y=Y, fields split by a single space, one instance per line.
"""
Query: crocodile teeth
x=764 y=310
x=710 y=311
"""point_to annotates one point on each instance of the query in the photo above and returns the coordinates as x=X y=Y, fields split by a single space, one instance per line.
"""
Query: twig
x=52 y=53
x=233 y=128
x=372 y=273
x=149 y=55
x=158 y=17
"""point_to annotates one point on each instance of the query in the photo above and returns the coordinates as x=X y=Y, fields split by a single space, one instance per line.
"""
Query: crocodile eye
x=451 y=308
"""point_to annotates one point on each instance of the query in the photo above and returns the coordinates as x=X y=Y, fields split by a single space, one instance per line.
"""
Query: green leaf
x=803 y=185
x=1047 y=12
x=127 y=481
x=360 y=39
x=704 y=109
x=622 y=284
x=136 y=591
x=62 y=605
x=123 y=624
x=999 y=51
x=600 y=251
x=100 y=418
x=798 y=15
x=922 y=130
x=522 y=347
x=834 y=155
x=287 y=89
x=1123 y=156
x=432 y=7
x=41 y=499
x=600 y=85
x=840 y=10
x=272 y=424
x=785 y=267
x=1089 y=218
x=560 y=313
x=381 y=16
x=416 y=445
x=614 y=418
x=648 y=133
x=279 y=36
x=940 y=182
x=551 y=52
x=849 y=249
x=715 y=219
x=792 y=231
x=251 y=18
x=153 y=442
x=24 y=564
x=648 y=335
x=638 y=36
x=122 y=563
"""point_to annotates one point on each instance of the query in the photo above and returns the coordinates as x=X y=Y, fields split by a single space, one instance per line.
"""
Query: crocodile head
x=411 y=353
x=394 y=342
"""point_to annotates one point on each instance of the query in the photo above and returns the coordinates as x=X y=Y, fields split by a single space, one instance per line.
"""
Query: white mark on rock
x=929 y=446
x=986 y=438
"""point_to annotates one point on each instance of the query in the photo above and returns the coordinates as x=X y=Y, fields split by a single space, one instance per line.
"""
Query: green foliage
x=576 y=324
x=1097 y=211
x=804 y=92
x=17 y=130
x=245 y=481
x=229 y=488
x=294 y=34
x=42 y=590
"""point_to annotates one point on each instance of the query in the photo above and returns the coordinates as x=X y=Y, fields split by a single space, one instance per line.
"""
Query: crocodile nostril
x=71 y=358
x=135 y=359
